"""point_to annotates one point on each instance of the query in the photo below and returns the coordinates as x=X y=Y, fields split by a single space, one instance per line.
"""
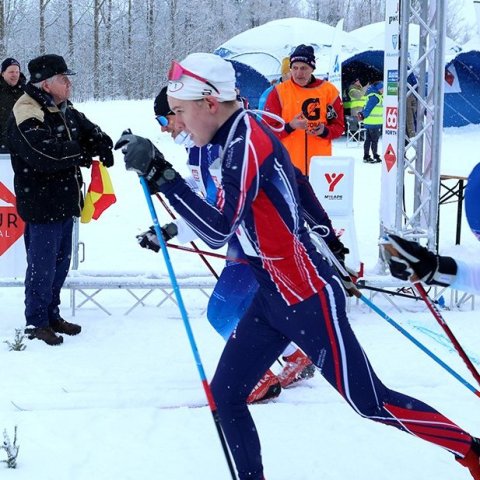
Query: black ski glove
x=143 y=157
x=338 y=249
x=149 y=239
x=414 y=259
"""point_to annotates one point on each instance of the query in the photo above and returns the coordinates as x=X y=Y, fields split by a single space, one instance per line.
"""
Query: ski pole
x=439 y=318
x=419 y=344
x=188 y=328
x=323 y=248
x=201 y=254
x=204 y=252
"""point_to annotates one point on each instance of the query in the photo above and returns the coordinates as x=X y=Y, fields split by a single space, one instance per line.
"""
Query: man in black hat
x=11 y=89
x=49 y=141
x=311 y=108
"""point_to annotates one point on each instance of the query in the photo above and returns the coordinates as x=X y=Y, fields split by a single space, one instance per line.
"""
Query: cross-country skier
x=300 y=297
x=237 y=285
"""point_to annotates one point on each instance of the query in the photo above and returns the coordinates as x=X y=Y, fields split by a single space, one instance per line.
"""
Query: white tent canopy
x=373 y=36
x=265 y=46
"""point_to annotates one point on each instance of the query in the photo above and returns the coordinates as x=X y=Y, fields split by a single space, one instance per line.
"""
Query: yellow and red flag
x=100 y=194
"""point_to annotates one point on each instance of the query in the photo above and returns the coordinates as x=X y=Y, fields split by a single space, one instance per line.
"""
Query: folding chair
x=355 y=132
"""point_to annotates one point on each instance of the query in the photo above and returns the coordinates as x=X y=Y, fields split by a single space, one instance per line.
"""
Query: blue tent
x=366 y=66
x=463 y=107
x=250 y=82
x=460 y=108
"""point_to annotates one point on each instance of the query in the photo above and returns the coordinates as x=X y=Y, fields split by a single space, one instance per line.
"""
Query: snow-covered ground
x=112 y=403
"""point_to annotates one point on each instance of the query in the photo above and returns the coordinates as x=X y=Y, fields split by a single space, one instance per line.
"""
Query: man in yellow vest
x=356 y=98
x=312 y=110
x=372 y=117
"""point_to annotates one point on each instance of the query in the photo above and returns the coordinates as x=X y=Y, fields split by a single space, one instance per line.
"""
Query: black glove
x=143 y=157
x=85 y=160
x=94 y=139
x=338 y=249
x=411 y=258
x=105 y=155
x=149 y=239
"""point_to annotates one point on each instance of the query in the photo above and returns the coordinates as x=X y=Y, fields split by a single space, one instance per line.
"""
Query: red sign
x=391 y=118
x=390 y=157
x=11 y=225
x=332 y=180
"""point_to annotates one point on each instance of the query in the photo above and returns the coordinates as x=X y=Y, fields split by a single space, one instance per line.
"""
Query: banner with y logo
x=332 y=181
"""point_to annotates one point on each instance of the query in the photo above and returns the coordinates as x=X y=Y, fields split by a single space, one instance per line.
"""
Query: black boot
x=367 y=159
x=45 y=334
x=60 y=325
x=376 y=158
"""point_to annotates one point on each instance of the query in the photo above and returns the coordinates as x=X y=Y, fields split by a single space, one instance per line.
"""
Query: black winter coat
x=46 y=149
x=8 y=96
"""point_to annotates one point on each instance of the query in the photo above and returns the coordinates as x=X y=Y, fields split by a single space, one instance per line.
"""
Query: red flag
x=100 y=194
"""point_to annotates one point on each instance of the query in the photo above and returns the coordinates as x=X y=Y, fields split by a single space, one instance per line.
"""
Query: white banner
x=12 y=249
x=335 y=68
x=388 y=197
x=332 y=181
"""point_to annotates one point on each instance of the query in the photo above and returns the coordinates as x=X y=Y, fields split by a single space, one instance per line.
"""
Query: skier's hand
x=143 y=157
x=338 y=249
x=410 y=261
x=149 y=239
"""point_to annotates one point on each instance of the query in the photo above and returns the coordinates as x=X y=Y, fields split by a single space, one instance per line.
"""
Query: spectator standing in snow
x=372 y=117
x=311 y=108
x=300 y=297
x=49 y=141
x=11 y=89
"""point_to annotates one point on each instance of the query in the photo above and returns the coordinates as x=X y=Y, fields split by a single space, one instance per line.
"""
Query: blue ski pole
x=417 y=343
x=188 y=328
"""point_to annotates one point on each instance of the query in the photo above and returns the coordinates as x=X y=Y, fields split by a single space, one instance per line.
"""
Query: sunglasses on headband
x=177 y=71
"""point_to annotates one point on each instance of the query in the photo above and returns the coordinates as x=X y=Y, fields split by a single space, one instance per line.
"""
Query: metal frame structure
x=421 y=154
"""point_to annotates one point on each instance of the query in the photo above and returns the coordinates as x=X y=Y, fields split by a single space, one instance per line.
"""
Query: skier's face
x=195 y=117
x=171 y=126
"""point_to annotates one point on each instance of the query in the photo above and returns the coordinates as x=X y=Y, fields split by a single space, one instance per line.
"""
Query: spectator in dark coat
x=49 y=140
x=11 y=89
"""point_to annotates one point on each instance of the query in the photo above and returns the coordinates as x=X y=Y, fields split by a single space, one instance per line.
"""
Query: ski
x=23 y=407
x=441 y=340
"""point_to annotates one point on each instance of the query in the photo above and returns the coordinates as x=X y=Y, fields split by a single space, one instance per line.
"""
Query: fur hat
x=303 y=53
x=8 y=62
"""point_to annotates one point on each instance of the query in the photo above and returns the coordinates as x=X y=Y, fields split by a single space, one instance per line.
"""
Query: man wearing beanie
x=300 y=296
x=11 y=89
x=312 y=110
x=49 y=141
